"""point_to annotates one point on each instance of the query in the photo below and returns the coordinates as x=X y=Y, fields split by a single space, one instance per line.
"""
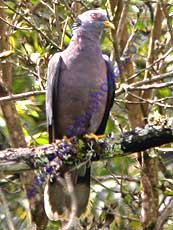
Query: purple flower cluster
x=95 y=99
x=55 y=161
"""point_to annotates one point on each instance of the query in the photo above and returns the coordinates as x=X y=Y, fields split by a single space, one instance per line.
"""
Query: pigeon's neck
x=86 y=36
x=85 y=41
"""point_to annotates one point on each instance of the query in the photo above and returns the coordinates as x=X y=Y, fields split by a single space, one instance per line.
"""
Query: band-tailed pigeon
x=80 y=92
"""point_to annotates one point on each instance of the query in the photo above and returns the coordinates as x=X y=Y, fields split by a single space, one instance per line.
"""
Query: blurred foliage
x=35 y=33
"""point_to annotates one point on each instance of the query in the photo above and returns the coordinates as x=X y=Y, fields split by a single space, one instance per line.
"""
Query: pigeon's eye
x=94 y=16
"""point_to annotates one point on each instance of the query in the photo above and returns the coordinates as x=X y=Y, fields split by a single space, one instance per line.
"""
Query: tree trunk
x=149 y=165
x=136 y=115
x=14 y=124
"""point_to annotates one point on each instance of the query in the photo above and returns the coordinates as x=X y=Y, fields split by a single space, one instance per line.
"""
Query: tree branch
x=164 y=215
x=21 y=96
x=33 y=26
x=74 y=151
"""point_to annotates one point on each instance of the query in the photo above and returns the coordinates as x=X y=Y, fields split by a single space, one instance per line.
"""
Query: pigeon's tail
x=66 y=196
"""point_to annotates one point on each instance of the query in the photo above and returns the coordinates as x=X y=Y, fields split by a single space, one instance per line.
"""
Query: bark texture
x=14 y=124
x=138 y=114
x=75 y=150
x=149 y=165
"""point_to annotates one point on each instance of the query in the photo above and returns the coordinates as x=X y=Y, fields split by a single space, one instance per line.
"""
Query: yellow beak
x=109 y=24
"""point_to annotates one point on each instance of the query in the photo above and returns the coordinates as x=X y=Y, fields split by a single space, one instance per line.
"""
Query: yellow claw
x=57 y=141
x=94 y=136
x=67 y=140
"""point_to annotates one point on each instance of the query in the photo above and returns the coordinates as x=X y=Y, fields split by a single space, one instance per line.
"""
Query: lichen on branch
x=75 y=151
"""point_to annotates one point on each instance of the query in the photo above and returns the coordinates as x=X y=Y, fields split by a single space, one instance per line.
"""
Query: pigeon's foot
x=67 y=140
x=60 y=141
x=94 y=136
x=57 y=141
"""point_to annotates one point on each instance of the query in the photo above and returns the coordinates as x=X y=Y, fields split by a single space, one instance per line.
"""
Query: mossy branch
x=75 y=151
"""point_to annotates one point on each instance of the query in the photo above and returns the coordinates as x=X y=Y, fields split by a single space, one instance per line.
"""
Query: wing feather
x=53 y=76
x=111 y=93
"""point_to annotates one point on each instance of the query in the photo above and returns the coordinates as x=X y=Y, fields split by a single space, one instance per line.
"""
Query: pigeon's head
x=92 y=21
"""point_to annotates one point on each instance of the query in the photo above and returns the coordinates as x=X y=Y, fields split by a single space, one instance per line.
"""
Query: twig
x=133 y=87
x=64 y=30
x=113 y=177
x=167 y=19
x=47 y=5
x=6 y=210
x=34 y=27
x=150 y=66
x=21 y=96
x=72 y=16
x=122 y=21
x=153 y=86
x=164 y=215
x=142 y=101
x=153 y=79
x=149 y=101
x=15 y=27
